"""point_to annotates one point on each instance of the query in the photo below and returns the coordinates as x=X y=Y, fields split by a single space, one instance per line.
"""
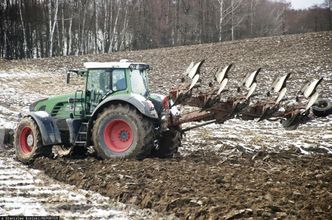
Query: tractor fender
x=49 y=131
x=142 y=104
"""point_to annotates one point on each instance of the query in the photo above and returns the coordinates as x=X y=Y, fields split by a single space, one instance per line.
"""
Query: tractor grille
x=56 y=109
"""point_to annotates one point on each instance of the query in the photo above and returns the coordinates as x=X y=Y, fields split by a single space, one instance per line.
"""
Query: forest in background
x=46 y=28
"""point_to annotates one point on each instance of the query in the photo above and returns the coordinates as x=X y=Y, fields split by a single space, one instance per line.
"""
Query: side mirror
x=68 y=78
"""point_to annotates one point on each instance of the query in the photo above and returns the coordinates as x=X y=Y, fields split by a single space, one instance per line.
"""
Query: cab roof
x=121 y=64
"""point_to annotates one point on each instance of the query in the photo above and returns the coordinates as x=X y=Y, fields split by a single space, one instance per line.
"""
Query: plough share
x=214 y=107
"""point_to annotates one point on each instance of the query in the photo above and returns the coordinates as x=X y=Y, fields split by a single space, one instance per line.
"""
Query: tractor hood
x=53 y=103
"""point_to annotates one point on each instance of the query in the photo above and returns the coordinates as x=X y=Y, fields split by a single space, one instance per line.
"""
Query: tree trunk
x=69 y=50
x=103 y=44
x=232 y=28
x=52 y=24
x=251 y=17
x=124 y=29
x=82 y=40
x=23 y=30
x=63 y=38
x=114 y=29
x=221 y=10
x=96 y=28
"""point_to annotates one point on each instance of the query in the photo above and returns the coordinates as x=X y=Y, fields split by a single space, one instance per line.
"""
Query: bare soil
x=203 y=185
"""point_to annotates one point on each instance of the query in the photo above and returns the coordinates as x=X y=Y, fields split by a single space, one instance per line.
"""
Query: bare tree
x=227 y=12
x=114 y=29
x=52 y=23
x=236 y=19
x=41 y=28
x=23 y=30
x=122 y=35
x=253 y=4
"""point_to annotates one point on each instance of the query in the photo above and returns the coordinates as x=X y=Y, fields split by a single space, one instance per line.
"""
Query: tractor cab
x=113 y=78
x=104 y=81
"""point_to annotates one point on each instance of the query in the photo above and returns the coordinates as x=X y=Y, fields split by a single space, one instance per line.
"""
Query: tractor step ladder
x=82 y=135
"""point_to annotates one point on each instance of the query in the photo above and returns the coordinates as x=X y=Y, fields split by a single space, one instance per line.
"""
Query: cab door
x=102 y=83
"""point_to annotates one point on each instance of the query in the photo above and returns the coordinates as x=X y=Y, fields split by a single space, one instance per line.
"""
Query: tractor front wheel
x=120 y=131
x=27 y=140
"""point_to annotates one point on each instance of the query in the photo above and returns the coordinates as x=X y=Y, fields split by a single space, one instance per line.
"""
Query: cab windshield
x=139 y=82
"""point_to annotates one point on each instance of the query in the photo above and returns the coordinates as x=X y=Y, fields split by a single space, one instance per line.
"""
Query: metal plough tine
x=193 y=82
x=274 y=82
x=191 y=65
x=304 y=87
x=312 y=100
x=251 y=90
x=250 y=78
x=311 y=88
x=281 y=95
x=223 y=74
x=280 y=83
x=222 y=86
x=194 y=70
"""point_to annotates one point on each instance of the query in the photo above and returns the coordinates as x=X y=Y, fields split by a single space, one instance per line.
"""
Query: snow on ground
x=312 y=137
x=28 y=192
x=24 y=191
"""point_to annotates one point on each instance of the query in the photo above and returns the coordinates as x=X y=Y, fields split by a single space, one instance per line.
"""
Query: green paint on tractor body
x=100 y=83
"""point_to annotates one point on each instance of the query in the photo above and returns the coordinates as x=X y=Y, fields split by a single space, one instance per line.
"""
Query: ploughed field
x=239 y=169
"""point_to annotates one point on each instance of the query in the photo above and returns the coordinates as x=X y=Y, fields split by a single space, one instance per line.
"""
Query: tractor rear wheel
x=168 y=144
x=120 y=131
x=27 y=140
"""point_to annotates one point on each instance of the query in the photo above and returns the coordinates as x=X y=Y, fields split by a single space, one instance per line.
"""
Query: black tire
x=322 y=108
x=168 y=144
x=120 y=131
x=27 y=141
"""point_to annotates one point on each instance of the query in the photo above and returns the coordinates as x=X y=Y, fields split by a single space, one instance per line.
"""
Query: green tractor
x=120 y=118
x=115 y=113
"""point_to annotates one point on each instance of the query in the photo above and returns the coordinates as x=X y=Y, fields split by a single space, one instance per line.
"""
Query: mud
x=203 y=185
x=29 y=192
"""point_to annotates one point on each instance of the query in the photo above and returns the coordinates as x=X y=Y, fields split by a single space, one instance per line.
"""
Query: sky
x=302 y=4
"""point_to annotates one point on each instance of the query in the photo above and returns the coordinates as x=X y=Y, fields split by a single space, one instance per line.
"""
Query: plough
x=214 y=107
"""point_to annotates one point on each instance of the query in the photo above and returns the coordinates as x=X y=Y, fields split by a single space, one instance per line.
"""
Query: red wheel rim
x=26 y=140
x=118 y=135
